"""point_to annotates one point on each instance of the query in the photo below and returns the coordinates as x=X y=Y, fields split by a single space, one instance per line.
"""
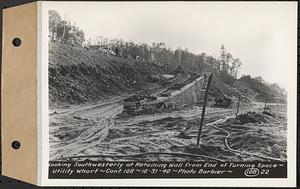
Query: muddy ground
x=96 y=132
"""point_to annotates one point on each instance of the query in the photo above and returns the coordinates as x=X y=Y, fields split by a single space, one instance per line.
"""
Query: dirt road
x=74 y=131
x=97 y=130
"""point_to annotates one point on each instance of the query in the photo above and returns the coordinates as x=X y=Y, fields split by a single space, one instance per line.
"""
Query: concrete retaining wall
x=189 y=94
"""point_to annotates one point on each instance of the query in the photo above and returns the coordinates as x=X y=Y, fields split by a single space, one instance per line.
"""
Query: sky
x=262 y=35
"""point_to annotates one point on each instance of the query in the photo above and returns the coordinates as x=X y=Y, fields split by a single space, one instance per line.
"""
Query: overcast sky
x=262 y=34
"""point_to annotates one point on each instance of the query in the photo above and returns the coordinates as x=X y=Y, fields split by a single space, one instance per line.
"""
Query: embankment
x=78 y=75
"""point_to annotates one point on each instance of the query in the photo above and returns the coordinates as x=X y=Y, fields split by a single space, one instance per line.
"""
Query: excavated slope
x=78 y=75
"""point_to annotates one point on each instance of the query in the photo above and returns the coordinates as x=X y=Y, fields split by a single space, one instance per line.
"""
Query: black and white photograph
x=169 y=82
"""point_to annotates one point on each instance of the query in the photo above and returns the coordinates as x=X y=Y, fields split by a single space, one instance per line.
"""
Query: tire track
x=91 y=137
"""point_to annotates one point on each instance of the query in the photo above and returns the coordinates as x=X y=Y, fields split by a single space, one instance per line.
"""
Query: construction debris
x=268 y=113
x=251 y=117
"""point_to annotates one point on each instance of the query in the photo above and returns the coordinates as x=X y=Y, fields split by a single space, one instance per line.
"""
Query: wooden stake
x=186 y=98
x=238 y=106
x=265 y=106
x=197 y=92
x=203 y=108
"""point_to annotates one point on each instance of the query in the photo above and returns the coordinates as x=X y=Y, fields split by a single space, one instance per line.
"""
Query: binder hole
x=15 y=145
x=16 y=42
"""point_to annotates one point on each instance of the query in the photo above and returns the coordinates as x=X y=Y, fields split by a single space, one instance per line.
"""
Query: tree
x=54 y=21
x=178 y=55
x=64 y=30
x=236 y=64
x=223 y=57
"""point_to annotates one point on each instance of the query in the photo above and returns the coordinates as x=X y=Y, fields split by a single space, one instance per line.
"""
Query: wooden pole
x=186 y=98
x=238 y=105
x=203 y=108
x=265 y=106
x=197 y=92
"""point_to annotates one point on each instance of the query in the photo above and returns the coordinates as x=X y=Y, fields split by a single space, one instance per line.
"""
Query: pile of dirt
x=260 y=90
x=268 y=113
x=248 y=90
x=251 y=117
x=78 y=75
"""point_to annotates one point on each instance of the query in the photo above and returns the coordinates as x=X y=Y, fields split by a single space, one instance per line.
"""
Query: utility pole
x=265 y=106
x=203 y=108
x=197 y=92
x=238 y=105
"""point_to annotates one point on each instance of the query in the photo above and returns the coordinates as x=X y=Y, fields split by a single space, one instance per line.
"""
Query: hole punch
x=15 y=144
x=16 y=42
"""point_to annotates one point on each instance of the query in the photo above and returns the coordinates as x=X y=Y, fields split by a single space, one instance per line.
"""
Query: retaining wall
x=189 y=94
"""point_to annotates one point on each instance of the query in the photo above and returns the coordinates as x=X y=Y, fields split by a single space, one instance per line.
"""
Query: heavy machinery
x=131 y=104
x=222 y=100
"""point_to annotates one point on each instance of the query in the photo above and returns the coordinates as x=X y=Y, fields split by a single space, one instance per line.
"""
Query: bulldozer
x=222 y=100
